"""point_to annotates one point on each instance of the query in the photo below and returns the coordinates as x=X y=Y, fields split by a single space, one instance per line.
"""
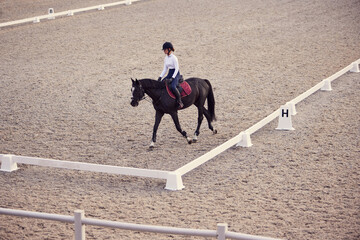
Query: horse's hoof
x=189 y=140
x=152 y=145
x=215 y=131
x=194 y=140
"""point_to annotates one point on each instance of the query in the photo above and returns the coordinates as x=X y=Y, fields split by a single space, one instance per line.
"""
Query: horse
x=163 y=103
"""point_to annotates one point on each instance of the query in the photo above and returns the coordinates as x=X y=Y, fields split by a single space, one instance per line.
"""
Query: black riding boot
x=178 y=98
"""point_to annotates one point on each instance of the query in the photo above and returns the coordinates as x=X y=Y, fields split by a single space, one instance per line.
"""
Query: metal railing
x=80 y=221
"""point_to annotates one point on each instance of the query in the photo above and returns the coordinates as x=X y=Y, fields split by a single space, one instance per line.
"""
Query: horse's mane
x=151 y=84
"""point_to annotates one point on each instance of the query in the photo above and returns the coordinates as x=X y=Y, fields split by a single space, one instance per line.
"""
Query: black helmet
x=168 y=45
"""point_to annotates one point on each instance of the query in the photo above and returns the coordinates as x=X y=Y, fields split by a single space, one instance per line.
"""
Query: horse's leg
x=208 y=118
x=175 y=118
x=158 y=117
x=200 y=118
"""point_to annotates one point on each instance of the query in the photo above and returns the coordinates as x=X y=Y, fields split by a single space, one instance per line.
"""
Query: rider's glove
x=159 y=79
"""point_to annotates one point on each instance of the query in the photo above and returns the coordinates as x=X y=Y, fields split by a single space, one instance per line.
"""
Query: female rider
x=171 y=63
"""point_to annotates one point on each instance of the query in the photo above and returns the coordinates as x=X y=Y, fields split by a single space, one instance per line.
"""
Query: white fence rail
x=9 y=163
x=52 y=14
x=174 y=178
x=80 y=221
x=243 y=139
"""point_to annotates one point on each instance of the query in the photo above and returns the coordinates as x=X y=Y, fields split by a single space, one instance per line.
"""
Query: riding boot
x=178 y=98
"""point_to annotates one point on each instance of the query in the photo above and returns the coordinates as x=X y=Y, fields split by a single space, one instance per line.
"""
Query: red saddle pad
x=185 y=92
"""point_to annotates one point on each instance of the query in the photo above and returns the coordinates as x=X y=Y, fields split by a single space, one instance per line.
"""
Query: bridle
x=145 y=97
x=142 y=91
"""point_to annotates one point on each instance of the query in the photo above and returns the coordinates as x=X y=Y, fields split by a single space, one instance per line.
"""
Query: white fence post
x=174 y=181
x=285 y=119
x=327 y=85
x=7 y=163
x=245 y=140
x=355 y=67
x=221 y=231
x=79 y=227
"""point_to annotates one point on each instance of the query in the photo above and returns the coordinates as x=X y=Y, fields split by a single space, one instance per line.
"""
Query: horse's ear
x=132 y=80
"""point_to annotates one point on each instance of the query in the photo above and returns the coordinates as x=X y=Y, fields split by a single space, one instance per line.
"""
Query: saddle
x=183 y=87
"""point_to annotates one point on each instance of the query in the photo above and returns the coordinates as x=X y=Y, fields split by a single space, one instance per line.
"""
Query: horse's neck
x=154 y=94
x=151 y=88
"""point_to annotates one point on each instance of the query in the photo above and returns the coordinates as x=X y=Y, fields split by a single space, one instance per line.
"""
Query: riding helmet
x=168 y=45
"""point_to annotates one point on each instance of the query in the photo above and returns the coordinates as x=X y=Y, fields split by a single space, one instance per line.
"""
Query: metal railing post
x=79 y=227
x=221 y=231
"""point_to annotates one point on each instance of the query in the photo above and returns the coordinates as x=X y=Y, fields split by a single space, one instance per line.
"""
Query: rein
x=146 y=98
x=152 y=102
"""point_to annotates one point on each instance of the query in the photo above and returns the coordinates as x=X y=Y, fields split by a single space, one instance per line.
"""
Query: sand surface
x=65 y=94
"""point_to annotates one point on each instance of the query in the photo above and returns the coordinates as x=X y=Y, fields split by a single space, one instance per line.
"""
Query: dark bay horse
x=163 y=103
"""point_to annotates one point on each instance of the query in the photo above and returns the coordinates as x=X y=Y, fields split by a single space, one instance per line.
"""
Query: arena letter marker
x=51 y=13
x=285 y=119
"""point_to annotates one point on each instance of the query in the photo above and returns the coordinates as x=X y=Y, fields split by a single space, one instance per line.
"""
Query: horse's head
x=138 y=93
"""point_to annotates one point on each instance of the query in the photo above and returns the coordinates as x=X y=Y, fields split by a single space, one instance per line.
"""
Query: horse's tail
x=211 y=102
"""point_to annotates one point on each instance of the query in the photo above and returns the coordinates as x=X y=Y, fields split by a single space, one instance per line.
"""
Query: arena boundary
x=51 y=14
x=284 y=114
x=174 y=178
x=79 y=220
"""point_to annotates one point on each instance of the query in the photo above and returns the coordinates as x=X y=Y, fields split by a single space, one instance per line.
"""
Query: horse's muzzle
x=134 y=103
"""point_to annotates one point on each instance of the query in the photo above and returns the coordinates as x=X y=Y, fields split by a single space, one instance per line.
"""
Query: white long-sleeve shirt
x=170 y=62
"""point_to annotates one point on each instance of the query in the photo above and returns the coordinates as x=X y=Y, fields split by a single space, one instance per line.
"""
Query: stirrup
x=181 y=105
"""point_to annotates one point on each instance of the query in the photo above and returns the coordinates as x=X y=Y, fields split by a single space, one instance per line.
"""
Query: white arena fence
x=79 y=220
x=174 y=178
x=51 y=14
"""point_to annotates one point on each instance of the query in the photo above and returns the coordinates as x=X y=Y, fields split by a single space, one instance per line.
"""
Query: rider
x=171 y=63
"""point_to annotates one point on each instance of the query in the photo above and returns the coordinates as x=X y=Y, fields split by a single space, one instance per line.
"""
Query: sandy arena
x=65 y=94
